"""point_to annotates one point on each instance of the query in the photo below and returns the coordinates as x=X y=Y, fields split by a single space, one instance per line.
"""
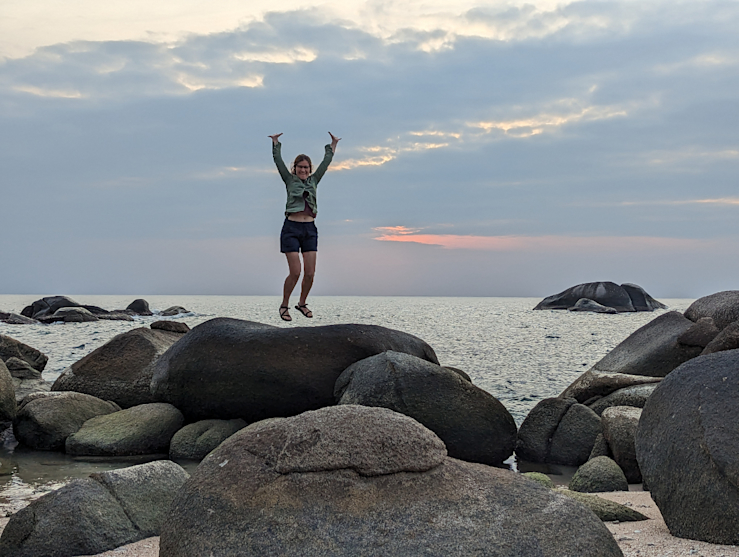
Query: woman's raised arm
x=277 y=156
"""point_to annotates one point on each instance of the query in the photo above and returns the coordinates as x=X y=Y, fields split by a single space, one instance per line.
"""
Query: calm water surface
x=518 y=355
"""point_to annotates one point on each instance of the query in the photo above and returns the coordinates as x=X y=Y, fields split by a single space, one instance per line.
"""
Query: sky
x=488 y=148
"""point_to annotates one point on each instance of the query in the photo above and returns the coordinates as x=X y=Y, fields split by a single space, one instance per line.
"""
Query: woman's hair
x=301 y=158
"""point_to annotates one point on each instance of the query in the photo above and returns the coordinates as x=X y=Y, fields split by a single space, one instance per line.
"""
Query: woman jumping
x=299 y=233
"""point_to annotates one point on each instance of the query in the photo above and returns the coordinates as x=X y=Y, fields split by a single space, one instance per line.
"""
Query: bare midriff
x=306 y=215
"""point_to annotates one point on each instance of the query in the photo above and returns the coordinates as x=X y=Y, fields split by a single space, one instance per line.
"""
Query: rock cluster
x=602 y=297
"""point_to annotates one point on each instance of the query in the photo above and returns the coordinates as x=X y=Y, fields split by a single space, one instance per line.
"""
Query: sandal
x=303 y=308
x=285 y=313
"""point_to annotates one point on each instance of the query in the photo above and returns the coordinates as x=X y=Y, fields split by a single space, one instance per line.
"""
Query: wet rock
x=619 y=430
x=364 y=481
x=575 y=436
x=143 y=429
x=595 y=383
x=92 y=515
x=7 y=395
x=195 y=441
x=700 y=334
x=473 y=424
x=229 y=368
x=9 y=348
x=172 y=326
x=583 y=304
x=635 y=396
x=599 y=475
x=45 y=420
x=139 y=307
x=120 y=370
x=174 y=310
x=687 y=448
x=607 y=511
x=728 y=339
x=722 y=307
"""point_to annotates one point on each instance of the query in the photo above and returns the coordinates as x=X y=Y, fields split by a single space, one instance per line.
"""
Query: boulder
x=15 y=319
x=635 y=396
x=700 y=334
x=722 y=307
x=652 y=350
x=172 y=326
x=619 y=430
x=727 y=339
x=174 y=310
x=354 y=480
x=228 y=368
x=21 y=369
x=139 y=307
x=48 y=306
x=539 y=478
x=7 y=395
x=473 y=424
x=538 y=428
x=73 y=315
x=687 y=446
x=93 y=515
x=143 y=429
x=607 y=511
x=598 y=384
x=121 y=369
x=600 y=448
x=26 y=387
x=583 y=304
x=607 y=294
x=9 y=348
x=575 y=436
x=599 y=474
x=640 y=299
x=195 y=441
x=45 y=420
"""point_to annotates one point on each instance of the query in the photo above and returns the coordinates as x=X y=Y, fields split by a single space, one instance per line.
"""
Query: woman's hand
x=275 y=138
x=334 y=141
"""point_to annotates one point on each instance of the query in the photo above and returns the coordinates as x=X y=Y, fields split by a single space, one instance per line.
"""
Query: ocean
x=518 y=355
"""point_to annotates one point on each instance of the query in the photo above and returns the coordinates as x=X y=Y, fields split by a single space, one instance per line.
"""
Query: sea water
x=518 y=355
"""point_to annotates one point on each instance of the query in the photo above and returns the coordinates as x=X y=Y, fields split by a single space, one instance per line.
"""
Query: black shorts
x=298 y=236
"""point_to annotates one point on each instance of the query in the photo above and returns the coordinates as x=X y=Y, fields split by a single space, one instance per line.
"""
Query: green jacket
x=295 y=186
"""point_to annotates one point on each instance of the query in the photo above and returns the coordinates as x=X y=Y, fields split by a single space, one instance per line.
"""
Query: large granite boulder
x=48 y=306
x=727 y=339
x=121 y=369
x=45 y=420
x=700 y=334
x=143 y=429
x=9 y=348
x=653 y=349
x=687 y=445
x=473 y=424
x=635 y=396
x=606 y=294
x=139 y=307
x=7 y=395
x=195 y=441
x=558 y=431
x=619 y=430
x=354 y=480
x=92 y=515
x=598 y=475
x=228 y=368
x=594 y=384
x=722 y=307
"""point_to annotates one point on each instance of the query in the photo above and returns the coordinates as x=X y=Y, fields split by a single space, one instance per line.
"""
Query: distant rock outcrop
x=624 y=298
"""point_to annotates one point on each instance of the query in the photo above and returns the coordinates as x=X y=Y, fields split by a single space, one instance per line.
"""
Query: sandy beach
x=648 y=538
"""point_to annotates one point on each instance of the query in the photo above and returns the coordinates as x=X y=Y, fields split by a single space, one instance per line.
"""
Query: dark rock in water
x=143 y=429
x=7 y=395
x=653 y=349
x=583 y=304
x=173 y=326
x=48 y=306
x=594 y=385
x=15 y=319
x=140 y=307
x=722 y=307
x=9 y=348
x=352 y=480
x=473 y=424
x=228 y=368
x=114 y=316
x=74 y=315
x=599 y=475
x=635 y=396
x=728 y=339
x=627 y=297
x=45 y=420
x=195 y=441
x=687 y=445
x=537 y=430
x=575 y=436
x=700 y=334
x=21 y=369
x=174 y=310
x=121 y=369
x=600 y=448
x=607 y=511
x=640 y=299
x=619 y=430
x=96 y=514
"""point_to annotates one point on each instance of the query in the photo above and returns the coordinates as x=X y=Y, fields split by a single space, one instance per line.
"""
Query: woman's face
x=302 y=170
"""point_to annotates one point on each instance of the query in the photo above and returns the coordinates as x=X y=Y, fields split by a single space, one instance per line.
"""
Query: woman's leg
x=293 y=264
x=309 y=264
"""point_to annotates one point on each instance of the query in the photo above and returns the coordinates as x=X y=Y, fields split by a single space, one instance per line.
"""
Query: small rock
x=172 y=326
